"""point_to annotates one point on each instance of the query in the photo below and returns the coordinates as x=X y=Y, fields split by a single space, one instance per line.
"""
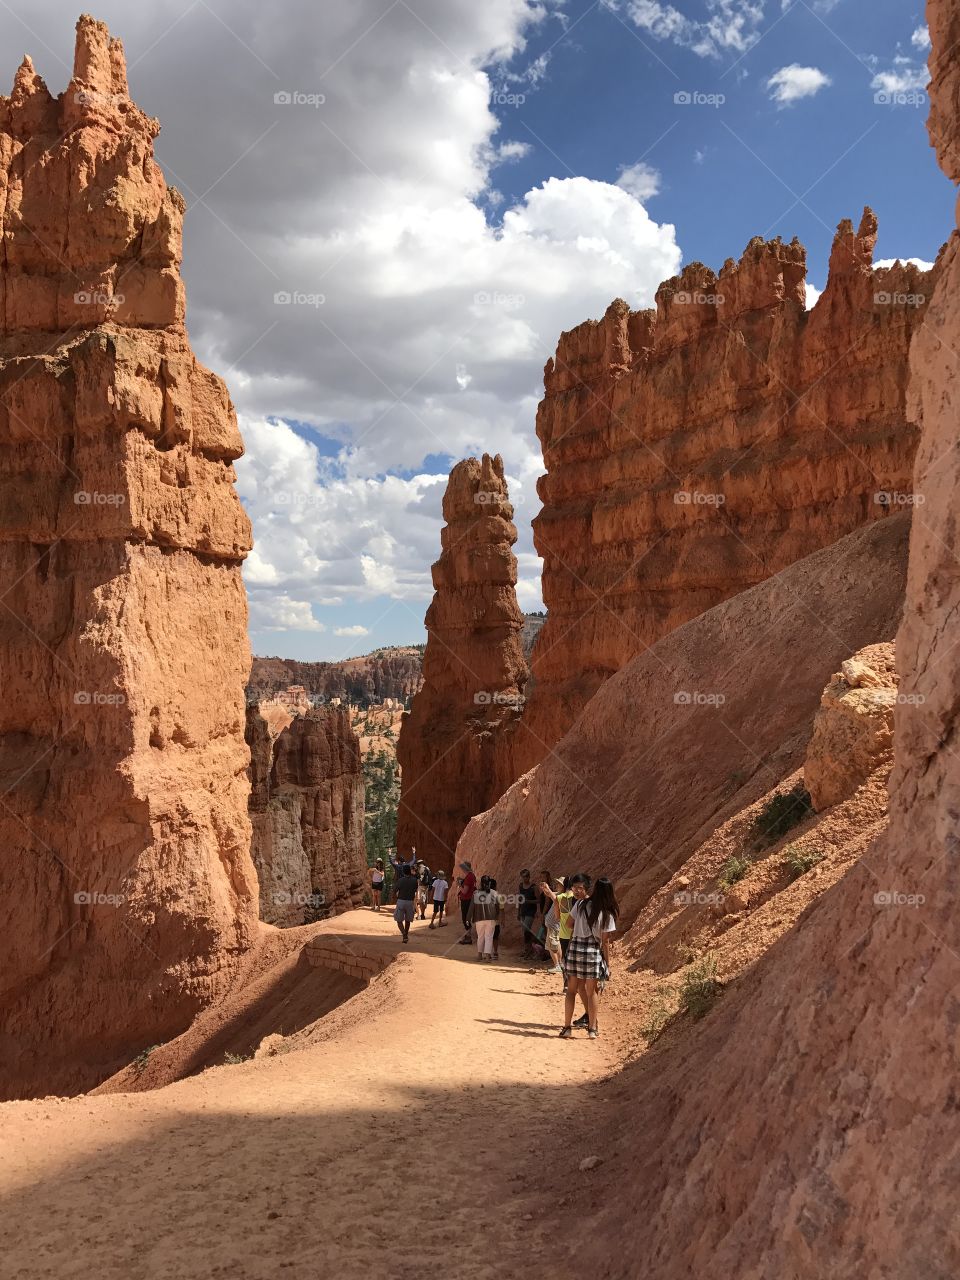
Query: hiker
x=397 y=863
x=440 y=889
x=588 y=958
x=497 y=926
x=564 y=900
x=467 y=887
x=425 y=880
x=376 y=883
x=485 y=911
x=526 y=911
x=406 y=901
x=549 y=892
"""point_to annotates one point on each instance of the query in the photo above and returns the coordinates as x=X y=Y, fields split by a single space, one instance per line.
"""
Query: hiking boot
x=582 y=1021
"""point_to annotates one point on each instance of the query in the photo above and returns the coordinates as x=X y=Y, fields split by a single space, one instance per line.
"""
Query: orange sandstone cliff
x=306 y=809
x=806 y=1125
x=694 y=449
x=454 y=741
x=126 y=886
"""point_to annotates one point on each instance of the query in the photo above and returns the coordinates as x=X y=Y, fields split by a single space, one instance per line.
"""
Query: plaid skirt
x=584 y=959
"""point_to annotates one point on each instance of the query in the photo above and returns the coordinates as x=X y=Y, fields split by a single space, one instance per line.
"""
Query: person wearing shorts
x=376 y=883
x=424 y=882
x=441 y=888
x=406 y=907
x=551 y=921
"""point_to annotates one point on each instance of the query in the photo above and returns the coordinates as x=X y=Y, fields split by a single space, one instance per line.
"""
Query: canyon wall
x=126 y=887
x=307 y=813
x=694 y=449
x=806 y=1125
x=699 y=726
x=454 y=744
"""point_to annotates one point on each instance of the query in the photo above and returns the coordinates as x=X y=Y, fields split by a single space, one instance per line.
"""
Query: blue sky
x=394 y=207
x=743 y=168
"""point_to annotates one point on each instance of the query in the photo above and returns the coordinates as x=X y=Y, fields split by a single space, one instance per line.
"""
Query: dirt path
x=409 y=1136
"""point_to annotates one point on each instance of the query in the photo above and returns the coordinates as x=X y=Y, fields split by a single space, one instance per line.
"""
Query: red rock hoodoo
x=127 y=885
x=695 y=449
x=454 y=744
x=307 y=809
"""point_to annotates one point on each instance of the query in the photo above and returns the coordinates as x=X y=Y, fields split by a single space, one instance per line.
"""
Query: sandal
x=566 y=1033
x=593 y=1033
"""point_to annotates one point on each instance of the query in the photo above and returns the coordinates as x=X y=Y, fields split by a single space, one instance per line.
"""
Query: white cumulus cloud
x=641 y=180
x=356 y=630
x=921 y=38
x=791 y=83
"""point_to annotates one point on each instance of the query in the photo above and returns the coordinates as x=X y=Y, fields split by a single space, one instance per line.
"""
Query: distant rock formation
x=695 y=449
x=366 y=681
x=127 y=892
x=307 y=810
x=453 y=748
x=853 y=731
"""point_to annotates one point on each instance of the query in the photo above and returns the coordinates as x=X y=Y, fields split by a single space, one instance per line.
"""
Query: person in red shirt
x=467 y=888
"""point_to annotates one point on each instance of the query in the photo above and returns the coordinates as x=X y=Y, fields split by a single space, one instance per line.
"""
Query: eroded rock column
x=126 y=886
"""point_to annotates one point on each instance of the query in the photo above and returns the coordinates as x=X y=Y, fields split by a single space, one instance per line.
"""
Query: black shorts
x=438 y=906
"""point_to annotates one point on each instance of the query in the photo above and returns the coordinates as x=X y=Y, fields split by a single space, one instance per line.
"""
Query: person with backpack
x=485 y=911
x=440 y=889
x=588 y=957
x=425 y=879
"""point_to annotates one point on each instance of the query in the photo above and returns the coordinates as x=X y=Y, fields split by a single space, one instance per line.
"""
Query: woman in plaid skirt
x=587 y=962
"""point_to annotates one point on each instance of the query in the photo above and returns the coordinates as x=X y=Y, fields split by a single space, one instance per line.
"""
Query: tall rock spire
x=126 y=887
x=454 y=743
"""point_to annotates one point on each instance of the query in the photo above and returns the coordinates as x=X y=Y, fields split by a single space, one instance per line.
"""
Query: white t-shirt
x=581 y=924
x=440 y=887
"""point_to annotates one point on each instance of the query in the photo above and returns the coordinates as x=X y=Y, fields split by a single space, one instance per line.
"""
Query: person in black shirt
x=526 y=910
x=406 y=901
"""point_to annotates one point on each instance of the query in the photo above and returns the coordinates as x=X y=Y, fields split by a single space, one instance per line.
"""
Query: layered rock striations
x=127 y=886
x=307 y=814
x=372 y=679
x=454 y=747
x=694 y=449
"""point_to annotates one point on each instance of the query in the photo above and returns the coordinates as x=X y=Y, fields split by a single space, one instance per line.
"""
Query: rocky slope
x=386 y=673
x=307 y=814
x=127 y=892
x=451 y=746
x=695 y=449
x=705 y=722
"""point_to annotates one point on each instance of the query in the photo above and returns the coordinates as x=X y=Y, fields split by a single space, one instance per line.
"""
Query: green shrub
x=780 y=814
x=660 y=1014
x=799 y=861
x=699 y=988
x=734 y=869
x=139 y=1063
x=231 y=1059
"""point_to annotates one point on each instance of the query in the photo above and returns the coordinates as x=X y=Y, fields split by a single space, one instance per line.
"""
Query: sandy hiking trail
x=408 y=1135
